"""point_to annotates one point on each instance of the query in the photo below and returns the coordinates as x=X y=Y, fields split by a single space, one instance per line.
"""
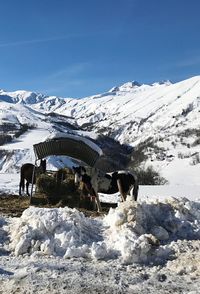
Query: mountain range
x=136 y=124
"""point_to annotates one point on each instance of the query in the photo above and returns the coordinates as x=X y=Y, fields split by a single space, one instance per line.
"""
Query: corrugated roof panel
x=74 y=148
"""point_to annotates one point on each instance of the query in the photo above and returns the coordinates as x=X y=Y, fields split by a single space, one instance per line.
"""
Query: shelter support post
x=32 y=182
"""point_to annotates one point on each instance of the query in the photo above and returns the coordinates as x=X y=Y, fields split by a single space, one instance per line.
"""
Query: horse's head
x=39 y=169
x=78 y=171
x=43 y=165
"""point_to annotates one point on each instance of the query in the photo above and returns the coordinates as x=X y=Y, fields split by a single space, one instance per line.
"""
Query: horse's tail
x=135 y=187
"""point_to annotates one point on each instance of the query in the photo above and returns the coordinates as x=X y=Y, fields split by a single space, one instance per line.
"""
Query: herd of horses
x=123 y=182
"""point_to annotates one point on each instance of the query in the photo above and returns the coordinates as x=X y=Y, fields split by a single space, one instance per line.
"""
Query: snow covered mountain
x=160 y=121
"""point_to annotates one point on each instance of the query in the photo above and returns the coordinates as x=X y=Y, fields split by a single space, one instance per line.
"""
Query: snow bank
x=144 y=232
x=58 y=231
x=133 y=232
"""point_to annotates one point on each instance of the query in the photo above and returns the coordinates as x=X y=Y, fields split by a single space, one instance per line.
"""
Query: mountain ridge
x=20 y=95
x=162 y=117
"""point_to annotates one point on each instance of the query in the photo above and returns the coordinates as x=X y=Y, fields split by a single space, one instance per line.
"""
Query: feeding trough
x=76 y=147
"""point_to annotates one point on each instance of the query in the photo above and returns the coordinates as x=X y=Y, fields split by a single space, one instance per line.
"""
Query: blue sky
x=77 y=48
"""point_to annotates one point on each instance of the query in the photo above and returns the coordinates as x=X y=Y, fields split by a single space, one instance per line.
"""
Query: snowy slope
x=22 y=127
x=132 y=113
x=163 y=118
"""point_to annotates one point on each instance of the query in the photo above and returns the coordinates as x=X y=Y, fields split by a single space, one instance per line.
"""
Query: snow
x=27 y=140
x=152 y=246
x=22 y=96
x=132 y=232
x=20 y=151
x=9 y=183
x=132 y=113
x=149 y=246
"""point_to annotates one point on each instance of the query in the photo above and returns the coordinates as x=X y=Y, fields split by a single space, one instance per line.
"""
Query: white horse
x=108 y=183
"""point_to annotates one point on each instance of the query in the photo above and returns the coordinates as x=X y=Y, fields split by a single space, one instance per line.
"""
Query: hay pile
x=58 y=189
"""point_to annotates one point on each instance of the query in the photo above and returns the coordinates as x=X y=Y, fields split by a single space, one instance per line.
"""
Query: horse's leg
x=21 y=186
x=96 y=195
x=122 y=193
x=20 y=189
x=135 y=191
x=27 y=185
x=99 y=208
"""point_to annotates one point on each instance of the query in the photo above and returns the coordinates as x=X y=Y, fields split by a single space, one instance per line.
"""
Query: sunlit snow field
x=149 y=247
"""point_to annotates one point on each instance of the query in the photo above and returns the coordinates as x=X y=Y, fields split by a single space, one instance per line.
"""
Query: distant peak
x=125 y=87
x=163 y=82
x=129 y=85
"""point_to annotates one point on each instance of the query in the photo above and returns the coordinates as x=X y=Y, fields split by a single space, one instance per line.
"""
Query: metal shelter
x=74 y=146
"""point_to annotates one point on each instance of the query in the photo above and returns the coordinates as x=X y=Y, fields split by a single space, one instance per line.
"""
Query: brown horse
x=26 y=173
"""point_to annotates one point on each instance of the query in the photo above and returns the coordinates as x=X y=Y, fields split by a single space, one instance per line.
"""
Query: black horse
x=26 y=173
x=108 y=183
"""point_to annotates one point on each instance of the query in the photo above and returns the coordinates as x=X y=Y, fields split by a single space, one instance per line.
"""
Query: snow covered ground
x=9 y=184
x=149 y=247
x=152 y=246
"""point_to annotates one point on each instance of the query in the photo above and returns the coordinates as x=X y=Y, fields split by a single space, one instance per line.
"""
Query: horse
x=62 y=174
x=108 y=183
x=26 y=173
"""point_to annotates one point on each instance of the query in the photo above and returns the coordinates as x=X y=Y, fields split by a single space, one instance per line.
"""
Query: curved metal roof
x=73 y=146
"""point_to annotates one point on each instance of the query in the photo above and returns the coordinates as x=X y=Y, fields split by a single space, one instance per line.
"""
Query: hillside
x=160 y=121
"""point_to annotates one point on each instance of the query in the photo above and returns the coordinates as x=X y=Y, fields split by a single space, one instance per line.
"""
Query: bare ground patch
x=14 y=205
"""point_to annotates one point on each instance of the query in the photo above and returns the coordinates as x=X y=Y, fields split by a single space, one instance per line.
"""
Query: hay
x=58 y=191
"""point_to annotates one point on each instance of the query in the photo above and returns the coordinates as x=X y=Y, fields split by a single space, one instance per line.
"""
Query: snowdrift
x=134 y=233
